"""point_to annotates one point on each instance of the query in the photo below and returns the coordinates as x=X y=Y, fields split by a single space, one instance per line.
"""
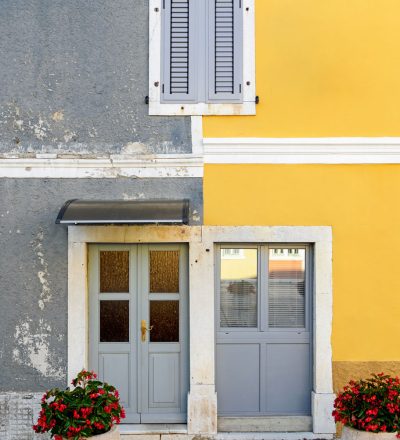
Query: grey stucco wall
x=73 y=78
x=33 y=274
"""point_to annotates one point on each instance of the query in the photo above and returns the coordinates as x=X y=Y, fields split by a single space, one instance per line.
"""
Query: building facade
x=279 y=120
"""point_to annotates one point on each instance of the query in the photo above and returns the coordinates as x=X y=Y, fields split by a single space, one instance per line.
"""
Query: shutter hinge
x=257 y=100
x=163 y=4
x=146 y=100
x=240 y=88
x=163 y=88
x=240 y=4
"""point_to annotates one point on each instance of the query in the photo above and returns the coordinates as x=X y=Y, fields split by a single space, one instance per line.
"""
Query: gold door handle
x=144 y=329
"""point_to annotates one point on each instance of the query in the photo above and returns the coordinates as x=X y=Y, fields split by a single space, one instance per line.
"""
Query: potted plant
x=90 y=409
x=369 y=408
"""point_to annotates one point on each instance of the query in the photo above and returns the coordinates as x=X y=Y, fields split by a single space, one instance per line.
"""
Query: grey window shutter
x=225 y=51
x=177 y=36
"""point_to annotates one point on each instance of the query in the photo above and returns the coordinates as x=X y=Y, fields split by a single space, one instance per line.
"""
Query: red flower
x=98 y=425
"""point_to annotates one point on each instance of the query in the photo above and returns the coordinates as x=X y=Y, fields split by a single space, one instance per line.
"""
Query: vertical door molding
x=78 y=317
x=202 y=399
x=322 y=396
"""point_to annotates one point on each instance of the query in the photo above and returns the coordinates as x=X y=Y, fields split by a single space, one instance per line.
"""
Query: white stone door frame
x=202 y=400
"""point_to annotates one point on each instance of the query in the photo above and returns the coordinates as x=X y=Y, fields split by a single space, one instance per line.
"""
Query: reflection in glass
x=164 y=271
x=286 y=288
x=164 y=317
x=114 y=321
x=238 y=288
x=114 y=271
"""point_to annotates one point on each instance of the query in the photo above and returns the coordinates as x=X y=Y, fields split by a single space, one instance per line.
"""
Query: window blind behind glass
x=238 y=288
x=286 y=288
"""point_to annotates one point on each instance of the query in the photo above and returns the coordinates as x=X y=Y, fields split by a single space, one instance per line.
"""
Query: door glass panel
x=286 y=288
x=164 y=317
x=238 y=288
x=114 y=271
x=114 y=321
x=164 y=271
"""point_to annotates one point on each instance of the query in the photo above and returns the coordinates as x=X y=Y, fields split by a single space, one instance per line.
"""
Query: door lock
x=144 y=329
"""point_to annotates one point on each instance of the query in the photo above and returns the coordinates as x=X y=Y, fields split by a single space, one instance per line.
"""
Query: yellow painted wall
x=362 y=204
x=324 y=68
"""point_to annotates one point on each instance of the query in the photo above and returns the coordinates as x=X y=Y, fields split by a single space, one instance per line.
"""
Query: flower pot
x=112 y=434
x=354 y=434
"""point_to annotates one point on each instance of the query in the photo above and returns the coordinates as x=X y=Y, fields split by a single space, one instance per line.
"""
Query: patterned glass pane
x=114 y=321
x=238 y=288
x=114 y=271
x=164 y=271
x=164 y=317
x=286 y=288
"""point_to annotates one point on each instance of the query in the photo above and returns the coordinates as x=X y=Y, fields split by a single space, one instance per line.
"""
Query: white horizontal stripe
x=49 y=166
x=301 y=150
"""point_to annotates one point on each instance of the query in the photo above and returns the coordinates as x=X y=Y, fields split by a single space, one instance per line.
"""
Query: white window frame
x=156 y=107
x=202 y=241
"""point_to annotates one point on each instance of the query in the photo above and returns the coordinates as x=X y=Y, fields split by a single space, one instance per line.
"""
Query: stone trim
x=202 y=401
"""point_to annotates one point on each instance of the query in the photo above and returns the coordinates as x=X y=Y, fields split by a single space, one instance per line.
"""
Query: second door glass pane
x=238 y=297
x=164 y=318
x=164 y=271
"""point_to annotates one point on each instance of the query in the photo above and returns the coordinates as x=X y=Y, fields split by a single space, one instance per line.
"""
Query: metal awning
x=106 y=212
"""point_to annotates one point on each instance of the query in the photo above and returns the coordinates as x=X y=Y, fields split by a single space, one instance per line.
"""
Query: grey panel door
x=138 y=327
x=264 y=330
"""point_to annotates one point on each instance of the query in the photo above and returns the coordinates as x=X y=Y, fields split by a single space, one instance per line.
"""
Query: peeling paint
x=127 y=196
x=32 y=348
x=195 y=216
x=39 y=129
x=43 y=274
x=69 y=136
x=134 y=148
x=57 y=116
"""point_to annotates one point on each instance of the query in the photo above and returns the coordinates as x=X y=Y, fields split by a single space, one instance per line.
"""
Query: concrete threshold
x=152 y=429
x=179 y=432
x=272 y=436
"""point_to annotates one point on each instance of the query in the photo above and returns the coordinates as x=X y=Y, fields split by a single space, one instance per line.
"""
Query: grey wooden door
x=138 y=331
x=264 y=331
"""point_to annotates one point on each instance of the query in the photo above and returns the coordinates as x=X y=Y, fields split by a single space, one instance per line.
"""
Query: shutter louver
x=224 y=41
x=179 y=38
x=177 y=50
x=225 y=76
x=286 y=289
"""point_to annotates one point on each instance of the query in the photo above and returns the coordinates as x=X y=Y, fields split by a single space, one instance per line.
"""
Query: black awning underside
x=108 y=212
